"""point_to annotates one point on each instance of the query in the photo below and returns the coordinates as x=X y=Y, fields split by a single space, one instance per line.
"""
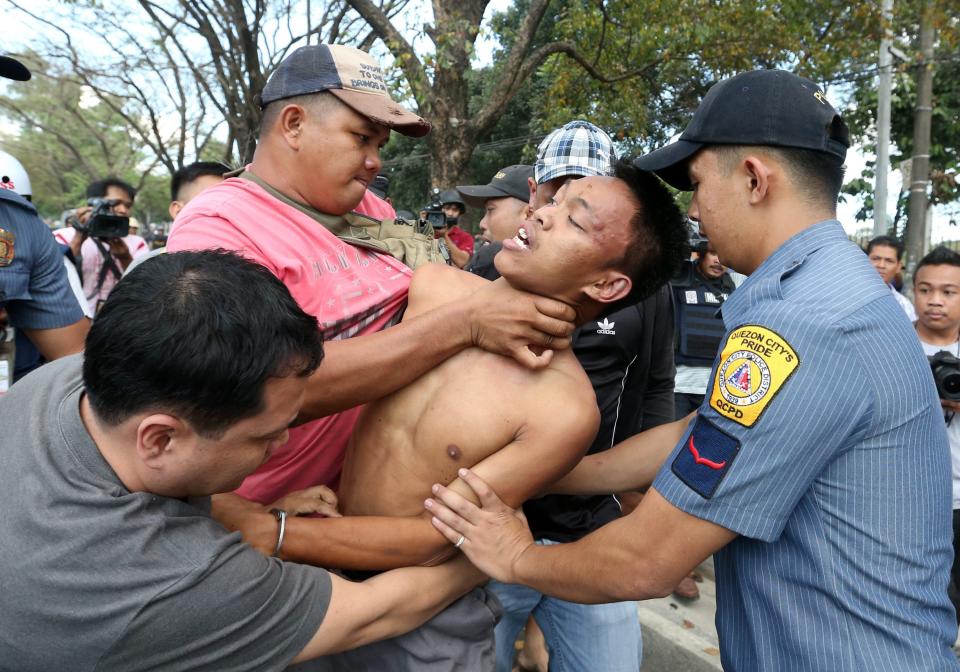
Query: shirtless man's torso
x=522 y=429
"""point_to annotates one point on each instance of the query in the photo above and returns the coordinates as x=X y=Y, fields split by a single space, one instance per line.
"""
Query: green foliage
x=64 y=143
x=662 y=57
x=511 y=141
x=67 y=139
x=944 y=129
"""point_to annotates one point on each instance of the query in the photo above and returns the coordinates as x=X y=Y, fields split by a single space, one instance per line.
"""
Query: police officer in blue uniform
x=822 y=489
x=34 y=291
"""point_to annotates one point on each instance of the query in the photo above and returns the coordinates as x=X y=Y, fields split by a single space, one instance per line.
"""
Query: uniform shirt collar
x=764 y=283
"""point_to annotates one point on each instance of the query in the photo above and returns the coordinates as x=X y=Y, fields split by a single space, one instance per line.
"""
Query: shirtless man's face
x=566 y=249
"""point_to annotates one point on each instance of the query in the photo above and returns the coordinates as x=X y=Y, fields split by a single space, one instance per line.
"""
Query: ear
x=759 y=174
x=532 y=187
x=291 y=123
x=158 y=436
x=613 y=286
x=174 y=209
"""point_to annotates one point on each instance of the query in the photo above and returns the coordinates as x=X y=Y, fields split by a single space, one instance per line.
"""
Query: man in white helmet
x=35 y=295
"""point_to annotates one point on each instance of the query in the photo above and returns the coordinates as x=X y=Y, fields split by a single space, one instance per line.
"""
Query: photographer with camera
x=459 y=242
x=936 y=296
x=99 y=239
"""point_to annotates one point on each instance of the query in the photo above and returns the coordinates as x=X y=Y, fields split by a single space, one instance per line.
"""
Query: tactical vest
x=412 y=243
x=699 y=329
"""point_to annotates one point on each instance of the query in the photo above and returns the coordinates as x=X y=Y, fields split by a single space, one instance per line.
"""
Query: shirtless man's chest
x=455 y=416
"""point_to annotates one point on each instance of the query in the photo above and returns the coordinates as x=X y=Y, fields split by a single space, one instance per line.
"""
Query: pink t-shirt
x=374 y=206
x=350 y=290
x=93 y=263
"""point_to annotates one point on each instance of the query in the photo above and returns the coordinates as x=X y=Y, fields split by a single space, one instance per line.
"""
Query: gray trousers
x=458 y=639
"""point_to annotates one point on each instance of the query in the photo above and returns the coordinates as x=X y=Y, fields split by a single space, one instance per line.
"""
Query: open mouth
x=521 y=239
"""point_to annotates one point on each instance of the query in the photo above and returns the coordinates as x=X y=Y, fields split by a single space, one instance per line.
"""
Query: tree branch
x=404 y=54
x=490 y=112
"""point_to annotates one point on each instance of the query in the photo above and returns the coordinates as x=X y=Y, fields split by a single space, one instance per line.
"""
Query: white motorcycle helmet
x=13 y=176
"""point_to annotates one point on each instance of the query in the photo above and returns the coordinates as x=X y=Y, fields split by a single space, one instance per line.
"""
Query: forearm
x=364 y=368
x=364 y=542
x=436 y=587
x=457 y=256
x=629 y=465
x=602 y=567
x=408 y=597
x=60 y=342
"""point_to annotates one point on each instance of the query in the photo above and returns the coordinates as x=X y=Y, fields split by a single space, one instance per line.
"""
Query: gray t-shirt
x=94 y=577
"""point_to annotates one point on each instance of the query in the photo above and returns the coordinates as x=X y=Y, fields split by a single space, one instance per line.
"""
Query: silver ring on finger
x=459 y=542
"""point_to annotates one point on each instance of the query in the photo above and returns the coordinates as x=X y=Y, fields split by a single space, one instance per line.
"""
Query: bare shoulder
x=436 y=284
x=566 y=388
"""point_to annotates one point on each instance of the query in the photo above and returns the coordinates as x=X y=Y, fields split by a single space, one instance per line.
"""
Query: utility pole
x=920 y=168
x=880 y=225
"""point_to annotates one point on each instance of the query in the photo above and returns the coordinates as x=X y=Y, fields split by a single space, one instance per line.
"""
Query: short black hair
x=817 y=175
x=196 y=334
x=99 y=188
x=886 y=241
x=319 y=103
x=197 y=169
x=659 y=243
x=938 y=256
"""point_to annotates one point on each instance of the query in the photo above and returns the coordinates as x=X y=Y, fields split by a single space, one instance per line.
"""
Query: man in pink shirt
x=326 y=116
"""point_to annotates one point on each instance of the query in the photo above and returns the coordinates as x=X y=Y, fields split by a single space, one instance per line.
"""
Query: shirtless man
x=595 y=247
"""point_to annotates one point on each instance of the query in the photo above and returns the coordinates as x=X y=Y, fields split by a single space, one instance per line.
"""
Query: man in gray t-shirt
x=193 y=371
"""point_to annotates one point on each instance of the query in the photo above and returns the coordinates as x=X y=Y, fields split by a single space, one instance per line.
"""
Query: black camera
x=946 y=374
x=102 y=222
x=434 y=217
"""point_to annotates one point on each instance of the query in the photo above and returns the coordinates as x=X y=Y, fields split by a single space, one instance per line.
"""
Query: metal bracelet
x=281 y=517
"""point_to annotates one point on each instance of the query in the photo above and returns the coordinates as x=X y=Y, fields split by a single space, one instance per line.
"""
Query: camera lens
x=949 y=383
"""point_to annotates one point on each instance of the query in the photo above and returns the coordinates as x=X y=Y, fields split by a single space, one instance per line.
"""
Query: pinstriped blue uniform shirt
x=33 y=281
x=839 y=489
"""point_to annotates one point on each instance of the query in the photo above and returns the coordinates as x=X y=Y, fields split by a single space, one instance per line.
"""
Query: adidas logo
x=606 y=327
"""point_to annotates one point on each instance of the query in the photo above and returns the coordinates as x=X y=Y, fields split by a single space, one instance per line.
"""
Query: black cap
x=451 y=196
x=509 y=181
x=380 y=185
x=764 y=107
x=11 y=68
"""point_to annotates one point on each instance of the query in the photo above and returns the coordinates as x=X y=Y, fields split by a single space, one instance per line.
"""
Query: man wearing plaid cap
x=629 y=359
x=326 y=115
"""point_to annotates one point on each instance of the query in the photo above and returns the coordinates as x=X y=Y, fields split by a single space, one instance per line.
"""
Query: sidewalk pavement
x=681 y=635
